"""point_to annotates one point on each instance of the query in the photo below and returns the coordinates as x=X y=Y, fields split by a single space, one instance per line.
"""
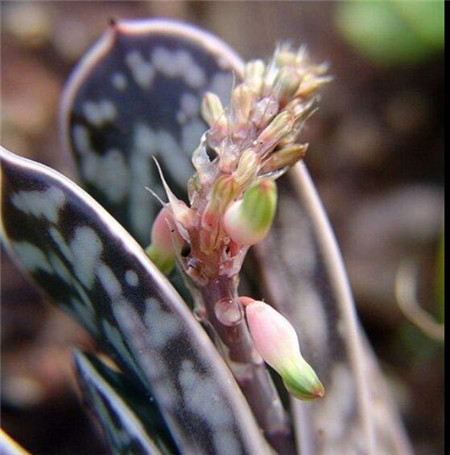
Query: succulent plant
x=156 y=278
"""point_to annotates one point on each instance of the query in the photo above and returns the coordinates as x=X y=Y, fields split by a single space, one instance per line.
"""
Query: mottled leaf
x=135 y=95
x=305 y=278
x=89 y=265
x=130 y=426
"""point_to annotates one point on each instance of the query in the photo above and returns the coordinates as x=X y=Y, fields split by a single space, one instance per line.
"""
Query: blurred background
x=376 y=155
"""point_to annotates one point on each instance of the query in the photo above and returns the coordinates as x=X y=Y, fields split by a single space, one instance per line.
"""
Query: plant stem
x=247 y=366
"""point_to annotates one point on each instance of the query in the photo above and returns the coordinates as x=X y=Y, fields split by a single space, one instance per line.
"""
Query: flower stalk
x=232 y=202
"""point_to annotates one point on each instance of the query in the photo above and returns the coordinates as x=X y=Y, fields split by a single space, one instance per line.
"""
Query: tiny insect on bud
x=166 y=241
x=276 y=341
x=248 y=220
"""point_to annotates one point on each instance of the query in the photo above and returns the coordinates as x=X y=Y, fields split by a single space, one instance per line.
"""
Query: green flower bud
x=248 y=220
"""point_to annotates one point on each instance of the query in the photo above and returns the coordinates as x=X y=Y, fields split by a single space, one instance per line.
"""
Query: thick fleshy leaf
x=135 y=95
x=115 y=401
x=89 y=265
x=306 y=280
x=10 y=447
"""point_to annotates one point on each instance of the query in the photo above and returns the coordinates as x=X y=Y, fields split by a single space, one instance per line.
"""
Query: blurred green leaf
x=392 y=32
x=426 y=18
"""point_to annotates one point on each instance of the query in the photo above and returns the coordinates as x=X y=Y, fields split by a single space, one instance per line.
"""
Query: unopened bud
x=254 y=75
x=264 y=111
x=284 y=55
x=223 y=192
x=242 y=100
x=311 y=84
x=248 y=220
x=166 y=241
x=276 y=341
x=212 y=109
x=287 y=156
x=286 y=83
x=275 y=131
x=247 y=168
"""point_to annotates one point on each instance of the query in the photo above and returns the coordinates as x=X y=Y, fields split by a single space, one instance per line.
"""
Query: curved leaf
x=89 y=265
x=308 y=283
x=135 y=95
x=118 y=407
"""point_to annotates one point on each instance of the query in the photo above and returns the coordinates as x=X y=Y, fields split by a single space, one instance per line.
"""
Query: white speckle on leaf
x=179 y=64
x=164 y=62
x=119 y=81
x=109 y=281
x=57 y=237
x=81 y=139
x=200 y=394
x=60 y=268
x=161 y=325
x=100 y=112
x=131 y=278
x=45 y=204
x=189 y=104
x=143 y=72
x=86 y=248
x=108 y=173
x=192 y=73
x=31 y=256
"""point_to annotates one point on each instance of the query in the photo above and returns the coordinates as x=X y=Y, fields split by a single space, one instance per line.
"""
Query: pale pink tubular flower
x=276 y=341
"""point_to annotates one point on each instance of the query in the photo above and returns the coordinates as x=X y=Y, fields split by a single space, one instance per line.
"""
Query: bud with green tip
x=166 y=241
x=248 y=220
x=276 y=341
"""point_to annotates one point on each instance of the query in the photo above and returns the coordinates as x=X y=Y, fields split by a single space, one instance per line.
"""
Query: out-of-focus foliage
x=393 y=32
x=440 y=278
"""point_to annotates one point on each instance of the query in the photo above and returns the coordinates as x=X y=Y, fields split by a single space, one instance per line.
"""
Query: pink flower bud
x=166 y=241
x=276 y=341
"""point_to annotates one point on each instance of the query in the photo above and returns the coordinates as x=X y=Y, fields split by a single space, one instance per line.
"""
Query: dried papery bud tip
x=276 y=341
x=166 y=241
x=248 y=220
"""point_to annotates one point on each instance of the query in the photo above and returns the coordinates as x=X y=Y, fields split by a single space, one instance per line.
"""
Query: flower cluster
x=249 y=144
